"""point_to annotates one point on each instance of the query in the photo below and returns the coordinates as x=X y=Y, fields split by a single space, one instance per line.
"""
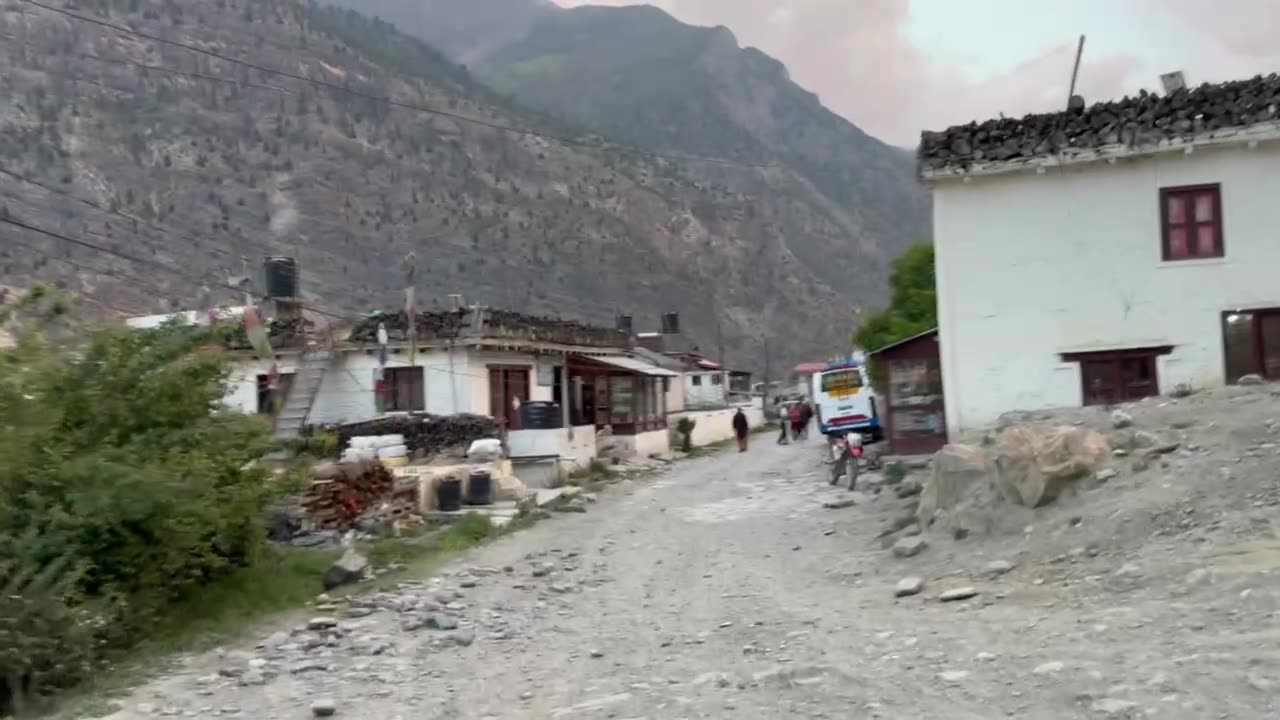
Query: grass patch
x=286 y=580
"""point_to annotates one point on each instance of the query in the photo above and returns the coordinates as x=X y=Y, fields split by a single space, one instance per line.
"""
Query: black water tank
x=624 y=324
x=480 y=488
x=670 y=323
x=282 y=277
x=449 y=494
x=540 y=415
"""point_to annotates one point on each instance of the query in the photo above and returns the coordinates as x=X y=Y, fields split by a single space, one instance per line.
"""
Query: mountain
x=638 y=75
x=173 y=173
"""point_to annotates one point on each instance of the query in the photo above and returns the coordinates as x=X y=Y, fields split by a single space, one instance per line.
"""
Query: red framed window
x=1191 y=222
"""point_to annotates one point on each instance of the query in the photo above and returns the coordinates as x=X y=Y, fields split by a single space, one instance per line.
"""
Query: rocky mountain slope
x=639 y=75
x=218 y=162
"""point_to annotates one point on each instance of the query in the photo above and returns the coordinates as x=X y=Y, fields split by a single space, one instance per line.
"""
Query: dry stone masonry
x=1146 y=119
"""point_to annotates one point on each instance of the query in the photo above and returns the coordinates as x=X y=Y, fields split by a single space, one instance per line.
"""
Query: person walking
x=806 y=414
x=741 y=429
x=794 y=414
x=783 y=421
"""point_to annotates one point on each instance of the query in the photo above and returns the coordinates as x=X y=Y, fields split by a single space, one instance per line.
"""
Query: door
x=1269 y=344
x=1110 y=378
x=508 y=391
x=917 y=416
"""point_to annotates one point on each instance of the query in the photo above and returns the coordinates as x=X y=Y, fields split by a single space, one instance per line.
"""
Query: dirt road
x=724 y=589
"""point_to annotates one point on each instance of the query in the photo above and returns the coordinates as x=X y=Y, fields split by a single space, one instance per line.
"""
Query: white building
x=477 y=361
x=1107 y=254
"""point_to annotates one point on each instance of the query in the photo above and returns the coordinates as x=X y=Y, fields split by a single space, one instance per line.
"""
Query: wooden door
x=507 y=385
x=1269 y=344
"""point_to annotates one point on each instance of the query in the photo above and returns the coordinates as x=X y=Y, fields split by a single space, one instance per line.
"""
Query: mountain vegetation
x=184 y=169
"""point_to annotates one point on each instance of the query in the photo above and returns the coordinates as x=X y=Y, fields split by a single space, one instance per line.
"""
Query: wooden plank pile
x=343 y=491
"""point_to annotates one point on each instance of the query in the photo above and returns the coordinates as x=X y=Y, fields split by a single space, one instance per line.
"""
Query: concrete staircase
x=312 y=367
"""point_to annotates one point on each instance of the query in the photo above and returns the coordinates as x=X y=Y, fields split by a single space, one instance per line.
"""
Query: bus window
x=841 y=383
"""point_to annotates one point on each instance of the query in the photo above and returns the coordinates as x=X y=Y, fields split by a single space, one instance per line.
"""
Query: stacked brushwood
x=424 y=434
x=281 y=332
x=429 y=325
x=343 y=491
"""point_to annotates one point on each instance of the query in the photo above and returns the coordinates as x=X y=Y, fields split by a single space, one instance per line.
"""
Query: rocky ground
x=725 y=589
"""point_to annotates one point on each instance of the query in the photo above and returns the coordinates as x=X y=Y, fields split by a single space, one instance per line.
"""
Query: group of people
x=794 y=420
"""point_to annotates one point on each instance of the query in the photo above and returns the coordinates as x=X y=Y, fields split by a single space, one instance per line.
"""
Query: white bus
x=844 y=402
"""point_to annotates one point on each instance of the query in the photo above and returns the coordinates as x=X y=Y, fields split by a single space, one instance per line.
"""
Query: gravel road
x=724 y=589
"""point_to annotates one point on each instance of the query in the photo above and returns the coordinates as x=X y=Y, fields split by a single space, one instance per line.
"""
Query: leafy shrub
x=684 y=428
x=118 y=468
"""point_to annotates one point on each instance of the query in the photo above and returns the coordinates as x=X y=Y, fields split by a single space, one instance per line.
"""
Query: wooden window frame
x=390 y=386
x=1150 y=354
x=1191 y=191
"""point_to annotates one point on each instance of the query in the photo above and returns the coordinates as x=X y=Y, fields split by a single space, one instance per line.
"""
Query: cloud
x=857 y=56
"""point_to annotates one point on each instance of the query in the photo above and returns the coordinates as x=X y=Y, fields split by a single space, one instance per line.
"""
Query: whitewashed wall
x=713 y=426
x=707 y=393
x=1031 y=266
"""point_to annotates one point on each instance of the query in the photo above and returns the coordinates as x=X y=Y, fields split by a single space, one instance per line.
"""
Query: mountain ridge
x=232 y=163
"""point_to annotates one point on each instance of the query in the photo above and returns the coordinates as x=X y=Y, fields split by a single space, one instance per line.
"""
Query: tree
x=913 y=306
x=123 y=489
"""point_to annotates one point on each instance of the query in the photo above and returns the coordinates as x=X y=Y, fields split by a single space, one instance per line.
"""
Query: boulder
x=350 y=568
x=1035 y=462
x=961 y=495
x=1121 y=419
x=909 y=586
x=1250 y=380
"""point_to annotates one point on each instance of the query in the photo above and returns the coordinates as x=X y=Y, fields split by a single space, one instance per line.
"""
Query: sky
x=896 y=67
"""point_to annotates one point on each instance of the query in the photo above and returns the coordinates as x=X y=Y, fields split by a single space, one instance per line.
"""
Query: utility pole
x=765 y=396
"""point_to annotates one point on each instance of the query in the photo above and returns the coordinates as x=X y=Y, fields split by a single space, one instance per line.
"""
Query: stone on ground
x=323 y=708
x=350 y=568
x=909 y=546
x=909 y=586
x=995 y=568
x=1121 y=419
x=957 y=594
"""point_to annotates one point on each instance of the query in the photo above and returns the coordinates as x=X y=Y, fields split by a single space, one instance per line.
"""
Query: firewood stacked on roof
x=1142 y=120
x=424 y=434
x=343 y=491
x=497 y=323
x=429 y=325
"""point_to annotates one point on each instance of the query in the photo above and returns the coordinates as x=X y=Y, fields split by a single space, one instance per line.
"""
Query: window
x=717 y=379
x=697 y=381
x=624 y=401
x=1117 y=376
x=1251 y=343
x=842 y=383
x=1191 y=222
x=402 y=390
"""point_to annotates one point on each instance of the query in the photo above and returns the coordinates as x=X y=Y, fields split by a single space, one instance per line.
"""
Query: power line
x=572 y=142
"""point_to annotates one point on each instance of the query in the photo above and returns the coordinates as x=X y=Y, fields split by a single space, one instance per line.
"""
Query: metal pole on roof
x=1075 y=71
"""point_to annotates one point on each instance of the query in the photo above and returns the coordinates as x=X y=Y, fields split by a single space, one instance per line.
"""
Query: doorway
x=1111 y=377
x=1252 y=343
x=508 y=391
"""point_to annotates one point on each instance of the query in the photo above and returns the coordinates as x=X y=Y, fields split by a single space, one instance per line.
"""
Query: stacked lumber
x=343 y=491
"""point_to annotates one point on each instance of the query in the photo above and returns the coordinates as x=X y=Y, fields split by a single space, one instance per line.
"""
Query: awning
x=632 y=364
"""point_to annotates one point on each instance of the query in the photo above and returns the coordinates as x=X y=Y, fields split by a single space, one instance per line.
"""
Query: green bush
x=117 y=465
x=684 y=428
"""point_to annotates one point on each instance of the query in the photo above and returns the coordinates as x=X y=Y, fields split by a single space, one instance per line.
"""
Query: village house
x=1109 y=253
x=552 y=385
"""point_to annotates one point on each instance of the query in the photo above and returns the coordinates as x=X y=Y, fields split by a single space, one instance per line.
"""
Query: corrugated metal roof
x=634 y=365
